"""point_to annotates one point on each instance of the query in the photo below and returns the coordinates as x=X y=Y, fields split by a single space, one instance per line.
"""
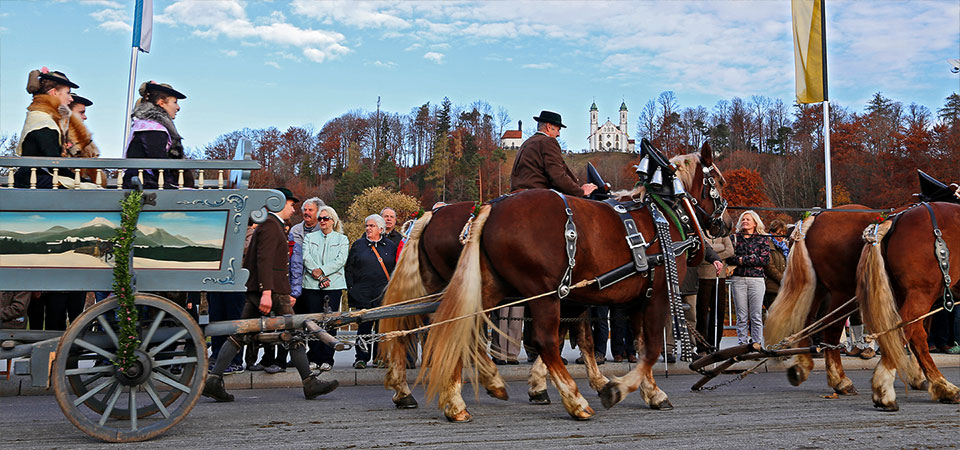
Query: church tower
x=594 y=127
x=623 y=125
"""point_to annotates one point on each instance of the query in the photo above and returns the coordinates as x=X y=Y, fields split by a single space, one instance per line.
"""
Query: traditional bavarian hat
x=287 y=194
x=81 y=100
x=550 y=117
x=160 y=87
x=57 y=77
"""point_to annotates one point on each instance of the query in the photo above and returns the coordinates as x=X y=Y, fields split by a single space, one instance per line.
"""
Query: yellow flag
x=809 y=51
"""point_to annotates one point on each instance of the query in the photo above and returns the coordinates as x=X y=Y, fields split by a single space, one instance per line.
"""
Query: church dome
x=593 y=107
x=623 y=106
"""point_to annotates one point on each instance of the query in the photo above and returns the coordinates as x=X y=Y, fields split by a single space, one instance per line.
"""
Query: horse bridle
x=719 y=203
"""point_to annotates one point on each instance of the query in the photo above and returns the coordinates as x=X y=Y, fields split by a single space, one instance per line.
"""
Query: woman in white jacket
x=324 y=255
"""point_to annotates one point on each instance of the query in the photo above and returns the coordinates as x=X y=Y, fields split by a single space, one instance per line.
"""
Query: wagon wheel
x=167 y=377
x=80 y=384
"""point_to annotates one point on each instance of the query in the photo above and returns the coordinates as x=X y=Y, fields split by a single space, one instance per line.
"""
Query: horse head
x=704 y=184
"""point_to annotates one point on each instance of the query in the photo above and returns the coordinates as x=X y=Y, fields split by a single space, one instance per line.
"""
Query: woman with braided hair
x=153 y=135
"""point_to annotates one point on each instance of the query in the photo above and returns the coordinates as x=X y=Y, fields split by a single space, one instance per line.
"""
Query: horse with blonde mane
x=820 y=278
x=517 y=248
x=899 y=279
x=426 y=264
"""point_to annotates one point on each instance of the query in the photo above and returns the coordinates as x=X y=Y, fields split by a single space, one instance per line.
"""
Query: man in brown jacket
x=268 y=290
x=13 y=309
x=539 y=163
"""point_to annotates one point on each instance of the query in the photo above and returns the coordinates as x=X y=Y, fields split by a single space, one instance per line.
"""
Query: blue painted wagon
x=186 y=240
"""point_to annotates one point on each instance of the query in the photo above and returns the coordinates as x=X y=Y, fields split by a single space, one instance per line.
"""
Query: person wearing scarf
x=153 y=135
x=44 y=130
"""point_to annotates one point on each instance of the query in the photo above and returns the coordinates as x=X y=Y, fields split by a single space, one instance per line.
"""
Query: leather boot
x=312 y=387
x=214 y=389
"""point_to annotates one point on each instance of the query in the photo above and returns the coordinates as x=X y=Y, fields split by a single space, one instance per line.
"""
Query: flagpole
x=142 y=37
x=129 y=109
x=828 y=191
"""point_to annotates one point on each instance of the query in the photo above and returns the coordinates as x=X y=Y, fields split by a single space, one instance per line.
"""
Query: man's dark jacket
x=539 y=164
x=268 y=258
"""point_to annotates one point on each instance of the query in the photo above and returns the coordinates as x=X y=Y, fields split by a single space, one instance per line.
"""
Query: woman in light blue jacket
x=324 y=255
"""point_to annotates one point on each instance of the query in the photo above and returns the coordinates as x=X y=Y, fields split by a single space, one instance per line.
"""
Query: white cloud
x=111 y=18
x=228 y=18
x=378 y=15
x=434 y=56
x=384 y=65
x=173 y=216
x=104 y=3
x=273 y=64
x=539 y=66
x=230 y=53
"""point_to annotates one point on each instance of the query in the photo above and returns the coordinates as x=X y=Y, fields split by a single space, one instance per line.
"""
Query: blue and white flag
x=143 y=25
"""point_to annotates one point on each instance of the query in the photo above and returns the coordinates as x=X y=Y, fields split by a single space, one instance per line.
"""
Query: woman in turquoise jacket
x=324 y=255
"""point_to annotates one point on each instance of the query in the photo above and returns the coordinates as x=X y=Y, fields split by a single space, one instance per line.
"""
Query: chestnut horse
x=899 y=280
x=821 y=268
x=516 y=248
x=426 y=264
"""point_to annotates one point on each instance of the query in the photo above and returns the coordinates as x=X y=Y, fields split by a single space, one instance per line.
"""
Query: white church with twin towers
x=609 y=137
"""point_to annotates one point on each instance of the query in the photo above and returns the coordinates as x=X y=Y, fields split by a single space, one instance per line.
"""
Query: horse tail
x=789 y=311
x=456 y=344
x=405 y=284
x=878 y=306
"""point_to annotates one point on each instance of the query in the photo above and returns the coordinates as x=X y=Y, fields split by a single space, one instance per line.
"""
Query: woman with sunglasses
x=324 y=255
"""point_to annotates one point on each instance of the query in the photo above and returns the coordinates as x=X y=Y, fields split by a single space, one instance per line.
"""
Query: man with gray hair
x=390 y=221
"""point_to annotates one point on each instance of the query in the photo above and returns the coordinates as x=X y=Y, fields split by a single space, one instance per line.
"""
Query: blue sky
x=303 y=62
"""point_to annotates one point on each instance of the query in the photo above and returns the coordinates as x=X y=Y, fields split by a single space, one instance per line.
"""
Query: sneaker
x=955 y=350
x=214 y=389
x=499 y=362
x=359 y=364
x=855 y=351
x=272 y=369
x=325 y=367
x=255 y=368
x=312 y=387
x=233 y=369
x=868 y=353
x=314 y=366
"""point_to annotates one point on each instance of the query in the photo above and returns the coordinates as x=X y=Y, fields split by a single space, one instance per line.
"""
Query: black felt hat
x=287 y=194
x=81 y=100
x=550 y=117
x=160 y=87
x=59 y=78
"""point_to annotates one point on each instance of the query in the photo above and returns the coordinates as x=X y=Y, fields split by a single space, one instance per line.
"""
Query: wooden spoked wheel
x=140 y=403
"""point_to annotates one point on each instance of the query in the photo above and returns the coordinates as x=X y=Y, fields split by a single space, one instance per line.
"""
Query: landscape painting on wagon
x=81 y=239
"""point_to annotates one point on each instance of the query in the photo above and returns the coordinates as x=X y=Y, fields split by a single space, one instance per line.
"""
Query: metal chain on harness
x=570 y=238
x=680 y=332
x=943 y=260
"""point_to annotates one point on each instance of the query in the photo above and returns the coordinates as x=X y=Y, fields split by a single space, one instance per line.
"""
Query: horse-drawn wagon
x=133 y=365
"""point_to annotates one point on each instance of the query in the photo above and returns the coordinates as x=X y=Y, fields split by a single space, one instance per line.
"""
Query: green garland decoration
x=128 y=337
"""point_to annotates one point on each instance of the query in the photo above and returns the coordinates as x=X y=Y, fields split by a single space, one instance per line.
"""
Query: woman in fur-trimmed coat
x=47 y=120
x=153 y=135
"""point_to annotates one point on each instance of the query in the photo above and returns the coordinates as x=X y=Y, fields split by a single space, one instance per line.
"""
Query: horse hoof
x=460 y=417
x=849 y=390
x=665 y=405
x=540 y=398
x=888 y=408
x=610 y=395
x=584 y=414
x=406 y=402
x=793 y=376
x=498 y=393
x=951 y=400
